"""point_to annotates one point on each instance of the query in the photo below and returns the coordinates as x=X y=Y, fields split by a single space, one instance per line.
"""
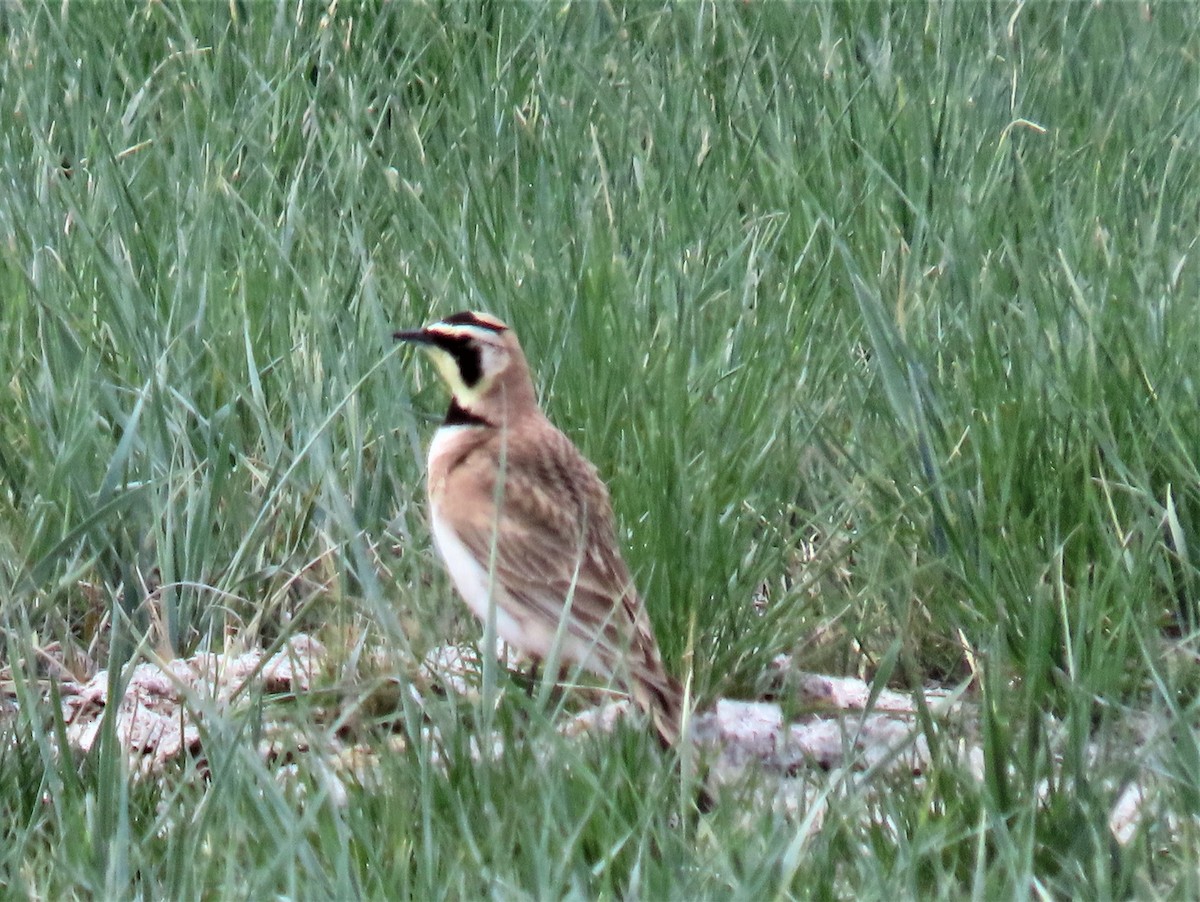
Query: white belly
x=470 y=578
x=532 y=634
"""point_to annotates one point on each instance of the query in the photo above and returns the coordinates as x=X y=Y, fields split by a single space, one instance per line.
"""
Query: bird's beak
x=415 y=336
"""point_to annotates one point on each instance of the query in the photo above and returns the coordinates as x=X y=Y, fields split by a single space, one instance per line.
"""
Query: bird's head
x=481 y=361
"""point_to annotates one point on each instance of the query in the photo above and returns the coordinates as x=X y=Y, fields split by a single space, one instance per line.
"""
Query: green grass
x=889 y=307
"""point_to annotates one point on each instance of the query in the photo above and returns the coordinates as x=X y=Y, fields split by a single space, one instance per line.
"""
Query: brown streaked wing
x=556 y=532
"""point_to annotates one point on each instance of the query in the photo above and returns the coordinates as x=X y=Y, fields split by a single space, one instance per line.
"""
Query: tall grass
x=883 y=313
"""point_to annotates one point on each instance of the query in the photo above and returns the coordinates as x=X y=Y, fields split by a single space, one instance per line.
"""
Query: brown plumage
x=521 y=517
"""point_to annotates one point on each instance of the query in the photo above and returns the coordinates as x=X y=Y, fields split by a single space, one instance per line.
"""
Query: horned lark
x=523 y=521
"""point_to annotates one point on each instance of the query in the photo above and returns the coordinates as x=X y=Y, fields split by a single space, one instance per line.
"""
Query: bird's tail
x=660 y=696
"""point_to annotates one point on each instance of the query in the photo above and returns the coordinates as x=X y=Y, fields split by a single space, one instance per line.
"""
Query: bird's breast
x=449 y=447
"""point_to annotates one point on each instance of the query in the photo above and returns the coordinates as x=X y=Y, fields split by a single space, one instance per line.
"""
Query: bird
x=523 y=521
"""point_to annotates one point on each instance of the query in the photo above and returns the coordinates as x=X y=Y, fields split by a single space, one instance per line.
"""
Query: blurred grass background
x=880 y=319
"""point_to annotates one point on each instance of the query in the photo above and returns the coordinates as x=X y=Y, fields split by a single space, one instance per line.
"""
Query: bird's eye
x=467 y=357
